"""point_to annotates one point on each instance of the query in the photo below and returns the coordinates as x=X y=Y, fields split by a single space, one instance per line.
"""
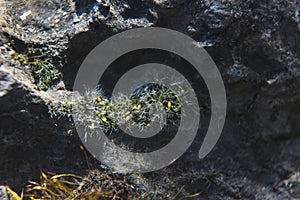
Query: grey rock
x=255 y=45
x=4 y=195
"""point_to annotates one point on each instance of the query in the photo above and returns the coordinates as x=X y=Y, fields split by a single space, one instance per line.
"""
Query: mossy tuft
x=40 y=65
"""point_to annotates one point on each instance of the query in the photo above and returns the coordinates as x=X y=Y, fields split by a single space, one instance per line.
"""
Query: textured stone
x=255 y=45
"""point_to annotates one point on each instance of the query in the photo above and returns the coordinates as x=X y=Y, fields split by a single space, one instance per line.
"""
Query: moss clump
x=157 y=98
x=148 y=104
x=44 y=73
x=41 y=67
x=61 y=109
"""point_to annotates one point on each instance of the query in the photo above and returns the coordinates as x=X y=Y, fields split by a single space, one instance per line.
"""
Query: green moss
x=95 y=112
x=44 y=73
x=41 y=66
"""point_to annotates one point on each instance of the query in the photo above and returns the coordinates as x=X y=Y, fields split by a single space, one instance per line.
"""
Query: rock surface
x=255 y=45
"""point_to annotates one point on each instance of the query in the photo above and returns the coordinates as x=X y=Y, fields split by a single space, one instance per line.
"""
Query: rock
x=4 y=195
x=254 y=44
x=29 y=138
x=289 y=188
